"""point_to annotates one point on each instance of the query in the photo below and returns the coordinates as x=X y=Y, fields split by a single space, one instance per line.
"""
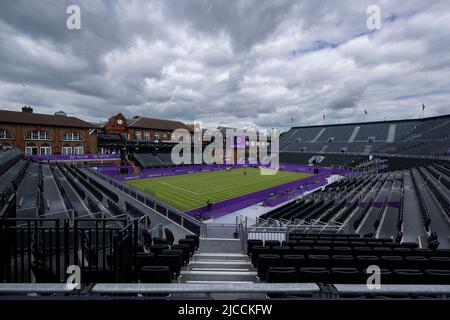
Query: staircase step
x=220 y=256
x=218 y=275
x=215 y=282
x=318 y=135
x=229 y=264
x=219 y=244
x=220 y=269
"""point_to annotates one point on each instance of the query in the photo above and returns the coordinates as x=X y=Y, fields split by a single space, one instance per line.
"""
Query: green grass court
x=190 y=191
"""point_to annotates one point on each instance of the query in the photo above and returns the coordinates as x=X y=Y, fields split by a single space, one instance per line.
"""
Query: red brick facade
x=143 y=129
x=46 y=134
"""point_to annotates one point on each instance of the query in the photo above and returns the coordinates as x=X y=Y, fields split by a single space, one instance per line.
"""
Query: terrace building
x=139 y=133
x=45 y=134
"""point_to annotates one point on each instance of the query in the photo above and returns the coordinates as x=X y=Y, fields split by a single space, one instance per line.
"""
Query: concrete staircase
x=354 y=133
x=215 y=264
x=391 y=133
x=318 y=135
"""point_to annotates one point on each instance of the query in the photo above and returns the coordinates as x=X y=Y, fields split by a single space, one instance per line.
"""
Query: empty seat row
x=324 y=235
x=321 y=242
x=307 y=247
x=161 y=260
x=172 y=258
x=353 y=276
x=372 y=242
x=356 y=251
x=265 y=261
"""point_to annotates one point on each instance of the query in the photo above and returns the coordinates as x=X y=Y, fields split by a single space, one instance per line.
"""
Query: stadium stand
x=314 y=258
x=392 y=210
x=420 y=137
x=373 y=205
x=146 y=160
x=154 y=160
x=76 y=227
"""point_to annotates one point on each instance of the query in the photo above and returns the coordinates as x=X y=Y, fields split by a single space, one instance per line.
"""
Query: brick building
x=119 y=132
x=44 y=134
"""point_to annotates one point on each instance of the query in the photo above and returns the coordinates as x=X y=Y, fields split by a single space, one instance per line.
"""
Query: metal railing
x=41 y=249
x=220 y=230
x=302 y=289
x=157 y=206
x=279 y=229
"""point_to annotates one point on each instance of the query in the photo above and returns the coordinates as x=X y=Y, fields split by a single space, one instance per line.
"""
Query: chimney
x=27 y=109
x=61 y=113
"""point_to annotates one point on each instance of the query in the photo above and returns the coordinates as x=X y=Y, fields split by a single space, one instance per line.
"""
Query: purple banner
x=173 y=171
x=74 y=157
x=115 y=170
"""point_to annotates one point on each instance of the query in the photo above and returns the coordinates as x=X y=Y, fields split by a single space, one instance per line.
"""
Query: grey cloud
x=226 y=61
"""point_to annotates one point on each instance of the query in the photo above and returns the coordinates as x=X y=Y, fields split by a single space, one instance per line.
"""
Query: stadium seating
x=338 y=143
x=146 y=159
x=310 y=264
x=396 y=217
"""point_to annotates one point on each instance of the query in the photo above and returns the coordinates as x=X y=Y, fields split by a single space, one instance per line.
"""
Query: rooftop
x=28 y=117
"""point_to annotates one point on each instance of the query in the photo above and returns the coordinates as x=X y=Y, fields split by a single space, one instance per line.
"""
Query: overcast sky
x=227 y=62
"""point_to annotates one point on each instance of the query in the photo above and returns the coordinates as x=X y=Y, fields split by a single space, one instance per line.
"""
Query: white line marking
x=171 y=185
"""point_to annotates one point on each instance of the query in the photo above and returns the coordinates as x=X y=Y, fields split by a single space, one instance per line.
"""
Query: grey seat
x=155 y=274
x=281 y=275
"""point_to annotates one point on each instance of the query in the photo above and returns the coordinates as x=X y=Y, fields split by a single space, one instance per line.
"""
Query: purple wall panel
x=53 y=157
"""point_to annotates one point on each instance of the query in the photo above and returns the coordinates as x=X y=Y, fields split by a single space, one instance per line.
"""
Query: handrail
x=171 y=213
x=159 y=227
x=133 y=288
x=393 y=289
x=340 y=290
x=36 y=288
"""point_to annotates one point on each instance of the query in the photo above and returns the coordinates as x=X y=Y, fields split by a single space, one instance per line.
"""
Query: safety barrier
x=173 y=214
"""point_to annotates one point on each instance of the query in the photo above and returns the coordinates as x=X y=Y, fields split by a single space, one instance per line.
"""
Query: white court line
x=171 y=185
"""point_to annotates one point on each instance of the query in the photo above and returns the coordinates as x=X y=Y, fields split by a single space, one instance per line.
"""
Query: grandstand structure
x=390 y=207
x=405 y=138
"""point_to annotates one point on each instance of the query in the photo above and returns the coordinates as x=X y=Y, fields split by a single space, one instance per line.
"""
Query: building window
x=45 y=149
x=137 y=135
x=31 y=149
x=38 y=135
x=72 y=136
x=157 y=136
x=164 y=136
x=5 y=134
x=66 y=149
x=78 y=149
x=147 y=136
